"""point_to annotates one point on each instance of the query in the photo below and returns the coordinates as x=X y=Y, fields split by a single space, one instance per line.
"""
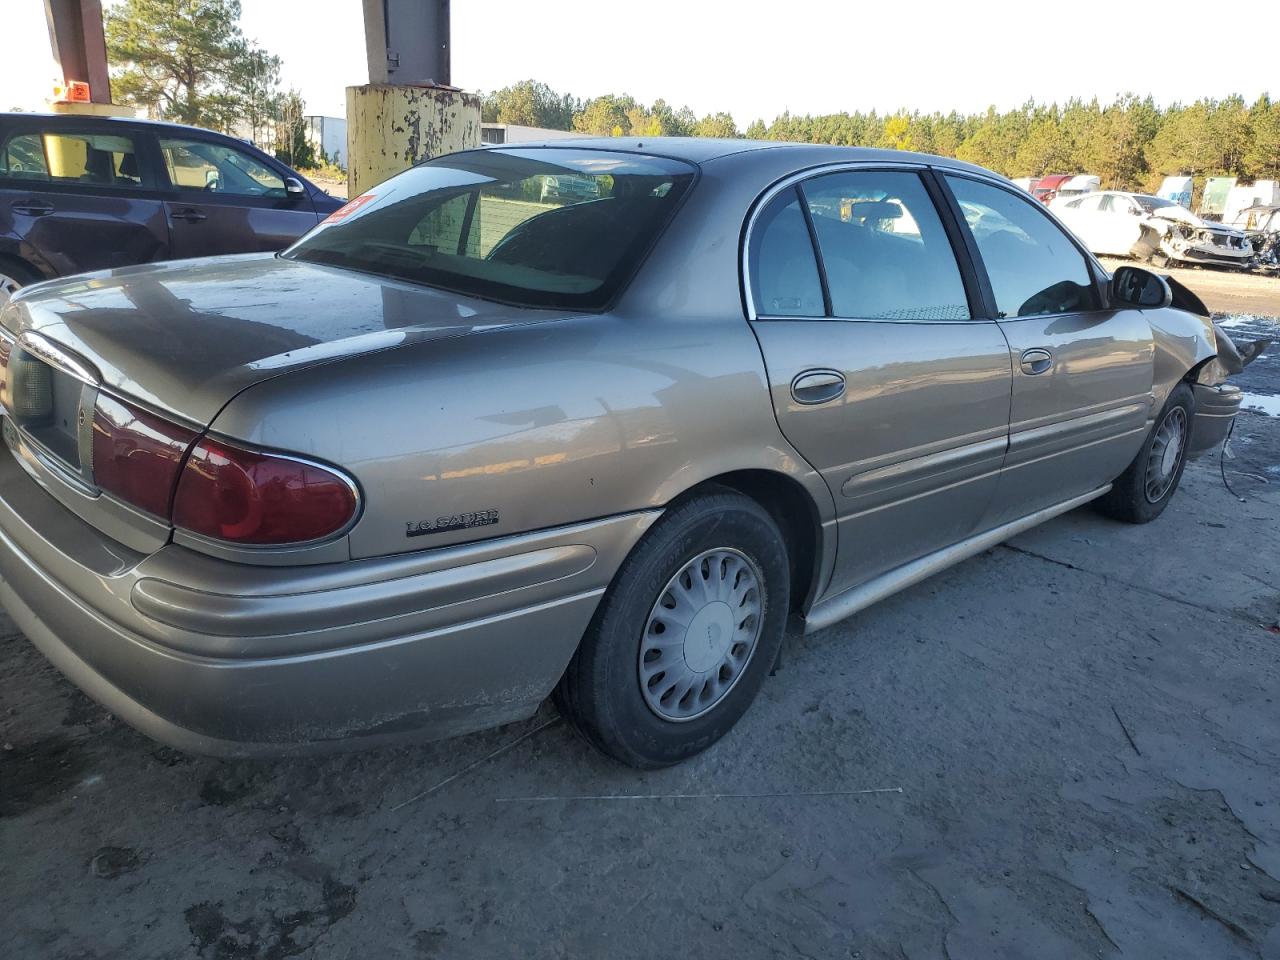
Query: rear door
x=228 y=199
x=1082 y=372
x=1122 y=225
x=79 y=194
x=1084 y=219
x=879 y=375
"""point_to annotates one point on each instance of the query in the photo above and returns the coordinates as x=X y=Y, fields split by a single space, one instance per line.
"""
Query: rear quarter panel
x=545 y=424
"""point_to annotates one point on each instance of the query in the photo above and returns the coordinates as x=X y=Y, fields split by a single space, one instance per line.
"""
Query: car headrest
x=129 y=165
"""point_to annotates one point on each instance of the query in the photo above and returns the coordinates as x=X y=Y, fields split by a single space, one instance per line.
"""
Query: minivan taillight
x=137 y=455
x=242 y=496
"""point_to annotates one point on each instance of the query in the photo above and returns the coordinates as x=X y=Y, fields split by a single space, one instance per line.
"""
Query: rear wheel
x=1141 y=493
x=685 y=635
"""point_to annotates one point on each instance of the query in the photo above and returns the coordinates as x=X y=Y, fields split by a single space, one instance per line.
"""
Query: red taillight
x=137 y=455
x=259 y=498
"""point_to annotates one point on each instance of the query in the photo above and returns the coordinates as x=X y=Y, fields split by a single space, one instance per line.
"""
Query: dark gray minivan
x=84 y=193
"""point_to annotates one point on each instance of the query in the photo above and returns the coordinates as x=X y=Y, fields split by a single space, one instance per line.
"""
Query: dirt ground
x=335 y=188
x=1067 y=747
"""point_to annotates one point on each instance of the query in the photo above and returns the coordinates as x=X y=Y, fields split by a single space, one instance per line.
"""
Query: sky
x=753 y=59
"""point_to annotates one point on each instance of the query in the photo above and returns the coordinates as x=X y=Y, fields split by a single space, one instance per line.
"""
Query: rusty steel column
x=79 y=45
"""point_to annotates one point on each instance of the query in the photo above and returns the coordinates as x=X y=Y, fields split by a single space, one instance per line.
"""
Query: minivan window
x=485 y=223
x=887 y=255
x=783 y=269
x=219 y=169
x=100 y=159
x=1033 y=267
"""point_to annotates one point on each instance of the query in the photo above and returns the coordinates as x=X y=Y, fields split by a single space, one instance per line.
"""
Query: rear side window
x=217 y=169
x=96 y=159
x=1033 y=267
x=886 y=253
x=549 y=227
x=783 y=270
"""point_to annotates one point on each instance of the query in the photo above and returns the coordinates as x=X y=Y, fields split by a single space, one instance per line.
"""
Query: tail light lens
x=137 y=455
x=241 y=496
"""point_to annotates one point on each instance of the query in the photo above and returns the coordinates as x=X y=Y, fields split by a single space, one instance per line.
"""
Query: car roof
x=704 y=149
x=141 y=121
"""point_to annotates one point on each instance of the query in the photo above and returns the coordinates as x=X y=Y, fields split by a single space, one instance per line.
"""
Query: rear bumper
x=1215 y=409
x=227 y=659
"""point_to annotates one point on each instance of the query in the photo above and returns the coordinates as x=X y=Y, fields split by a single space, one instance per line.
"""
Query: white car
x=1137 y=225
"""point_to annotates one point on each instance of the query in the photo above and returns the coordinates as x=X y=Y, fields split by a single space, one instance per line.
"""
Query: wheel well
x=794 y=512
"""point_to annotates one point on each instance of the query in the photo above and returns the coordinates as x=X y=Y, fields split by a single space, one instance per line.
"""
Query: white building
x=329 y=136
x=491 y=133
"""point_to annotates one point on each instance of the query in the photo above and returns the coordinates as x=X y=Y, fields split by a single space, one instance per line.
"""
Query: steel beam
x=79 y=44
x=407 y=41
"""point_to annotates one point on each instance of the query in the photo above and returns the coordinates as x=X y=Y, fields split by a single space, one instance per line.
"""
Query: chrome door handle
x=817 y=386
x=1036 y=361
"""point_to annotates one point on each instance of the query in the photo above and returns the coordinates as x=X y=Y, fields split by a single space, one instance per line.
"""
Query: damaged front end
x=1183 y=241
x=1216 y=401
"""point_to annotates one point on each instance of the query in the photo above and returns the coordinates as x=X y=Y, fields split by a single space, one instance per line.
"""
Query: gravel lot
x=1066 y=747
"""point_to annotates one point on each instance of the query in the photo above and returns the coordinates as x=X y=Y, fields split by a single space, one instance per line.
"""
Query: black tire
x=601 y=691
x=1131 y=495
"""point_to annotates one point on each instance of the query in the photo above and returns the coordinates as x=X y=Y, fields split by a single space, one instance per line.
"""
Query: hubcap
x=700 y=634
x=1166 y=454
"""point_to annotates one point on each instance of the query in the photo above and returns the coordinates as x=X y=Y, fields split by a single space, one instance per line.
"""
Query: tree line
x=1130 y=143
x=189 y=62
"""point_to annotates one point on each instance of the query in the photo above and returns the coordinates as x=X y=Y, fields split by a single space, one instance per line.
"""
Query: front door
x=879 y=375
x=1082 y=374
x=226 y=200
x=81 y=196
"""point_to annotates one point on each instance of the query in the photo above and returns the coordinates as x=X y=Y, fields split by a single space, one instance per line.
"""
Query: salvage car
x=1122 y=224
x=84 y=193
x=1261 y=224
x=448 y=453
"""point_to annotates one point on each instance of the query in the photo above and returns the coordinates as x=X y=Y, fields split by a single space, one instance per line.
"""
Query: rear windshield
x=541 y=227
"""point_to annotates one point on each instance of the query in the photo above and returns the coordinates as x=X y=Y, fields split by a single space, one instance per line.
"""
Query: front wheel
x=684 y=636
x=1141 y=493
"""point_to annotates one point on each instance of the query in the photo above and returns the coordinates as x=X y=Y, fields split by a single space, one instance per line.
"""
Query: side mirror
x=294 y=189
x=1135 y=287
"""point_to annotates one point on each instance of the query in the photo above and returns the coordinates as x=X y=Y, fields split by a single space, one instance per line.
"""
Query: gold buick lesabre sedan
x=472 y=442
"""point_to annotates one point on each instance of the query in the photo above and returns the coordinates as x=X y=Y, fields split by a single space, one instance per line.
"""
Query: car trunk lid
x=185 y=337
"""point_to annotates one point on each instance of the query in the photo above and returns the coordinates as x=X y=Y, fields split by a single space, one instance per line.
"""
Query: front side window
x=783 y=269
x=23 y=157
x=1112 y=203
x=886 y=253
x=198 y=165
x=550 y=227
x=1033 y=267
x=96 y=159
